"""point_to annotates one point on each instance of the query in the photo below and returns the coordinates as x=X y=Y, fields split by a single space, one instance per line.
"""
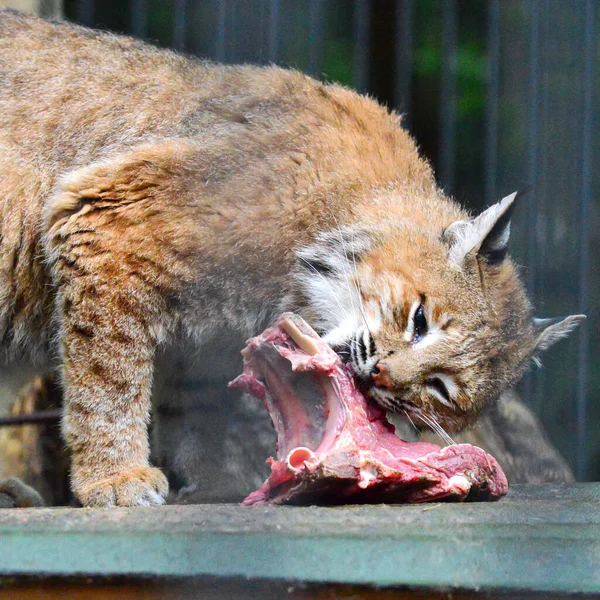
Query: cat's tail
x=16 y=494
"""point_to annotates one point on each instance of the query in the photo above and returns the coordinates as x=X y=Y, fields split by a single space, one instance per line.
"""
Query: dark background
x=498 y=94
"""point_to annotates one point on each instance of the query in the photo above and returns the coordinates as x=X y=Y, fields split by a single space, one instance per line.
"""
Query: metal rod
x=232 y=34
x=84 y=12
x=404 y=55
x=179 y=20
x=362 y=27
x=42 y=416
x=316 y=37
x=448 y=95
x=532 y=171
x=274 y=31
x=542 y=216
x=139 y=18
x=493 y=91
x=532 y=167
x=221 y=31
x=584 y=237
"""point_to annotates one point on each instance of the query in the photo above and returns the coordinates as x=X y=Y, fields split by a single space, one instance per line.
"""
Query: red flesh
x=335 y=447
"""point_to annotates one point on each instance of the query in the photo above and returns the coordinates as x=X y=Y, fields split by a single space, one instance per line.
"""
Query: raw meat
x=334 y=447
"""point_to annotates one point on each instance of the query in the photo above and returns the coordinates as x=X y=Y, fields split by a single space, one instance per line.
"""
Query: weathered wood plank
x=538 y=538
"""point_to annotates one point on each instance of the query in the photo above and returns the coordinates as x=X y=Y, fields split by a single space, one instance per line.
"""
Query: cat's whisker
x=411 y=421
x=435 y=426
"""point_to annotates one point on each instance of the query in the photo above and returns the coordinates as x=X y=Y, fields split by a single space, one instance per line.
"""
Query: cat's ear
x=549 y=331
x=487 y=234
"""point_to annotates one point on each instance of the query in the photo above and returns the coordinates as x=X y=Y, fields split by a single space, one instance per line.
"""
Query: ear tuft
x=549 y=331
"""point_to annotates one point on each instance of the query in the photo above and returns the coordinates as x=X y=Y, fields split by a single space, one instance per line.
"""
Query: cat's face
x=436 y=326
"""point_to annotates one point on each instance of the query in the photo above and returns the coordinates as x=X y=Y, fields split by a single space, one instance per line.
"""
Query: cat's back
x=69 y=93
x=72 y=95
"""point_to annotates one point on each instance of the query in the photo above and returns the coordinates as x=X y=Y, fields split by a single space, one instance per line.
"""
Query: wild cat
x=156 y=206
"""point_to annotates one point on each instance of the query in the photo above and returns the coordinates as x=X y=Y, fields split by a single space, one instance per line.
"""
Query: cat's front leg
x=112 y=313
x=120 y=245
x=108 y=354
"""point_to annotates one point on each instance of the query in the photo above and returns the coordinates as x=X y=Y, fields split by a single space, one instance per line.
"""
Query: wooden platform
x=539 y=538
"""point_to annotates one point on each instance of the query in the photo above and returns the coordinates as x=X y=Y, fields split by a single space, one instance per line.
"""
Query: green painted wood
x=538 y=538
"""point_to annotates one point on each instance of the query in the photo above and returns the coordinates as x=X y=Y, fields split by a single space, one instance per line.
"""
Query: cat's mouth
x=389 y=401
x=333 y=445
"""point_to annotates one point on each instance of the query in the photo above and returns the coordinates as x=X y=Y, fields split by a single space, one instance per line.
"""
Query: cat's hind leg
x=212 y=442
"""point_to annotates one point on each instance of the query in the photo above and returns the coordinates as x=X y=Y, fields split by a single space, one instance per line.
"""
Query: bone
x=303 y=341
x=298 y=456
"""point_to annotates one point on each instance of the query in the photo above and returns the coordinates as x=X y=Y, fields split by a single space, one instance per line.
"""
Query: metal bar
x=316 y=37
x=547 y=31
x=84 y=12
x=51 y=9
x=493 y=91
x=584 y=237
x=448 y=95
x=532 y=166
x=274 y=31
x=404 y=52
x=264 y=30
x=532 y=170
x=42 y=416
x=362 y=26
x=221 y=31
x=139 y=18
x=179 y=20
x=232 y=54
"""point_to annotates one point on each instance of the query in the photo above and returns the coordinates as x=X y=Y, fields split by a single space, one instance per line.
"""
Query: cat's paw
x=142 y=486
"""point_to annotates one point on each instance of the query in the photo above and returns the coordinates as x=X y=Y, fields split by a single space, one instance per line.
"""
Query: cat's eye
x=419 y=324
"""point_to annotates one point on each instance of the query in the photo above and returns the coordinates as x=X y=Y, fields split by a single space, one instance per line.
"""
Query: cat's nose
x=381 y=376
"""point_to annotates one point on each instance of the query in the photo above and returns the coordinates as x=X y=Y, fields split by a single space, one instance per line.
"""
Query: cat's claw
x=142 y=486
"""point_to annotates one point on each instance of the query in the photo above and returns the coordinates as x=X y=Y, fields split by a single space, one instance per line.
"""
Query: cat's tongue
x=334 y=446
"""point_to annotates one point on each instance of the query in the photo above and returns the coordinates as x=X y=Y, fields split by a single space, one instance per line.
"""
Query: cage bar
x=362 y=25
x=539 y=227
x=221 y=35
x=533 y=158
x=84 y=12
x=584 y=238
x=532 y=162
x=179 y=20
x=274 y=30
x=493 y=91
x=232 y=54
x=447 y=149
x=316 y=37
x=139 y=18
x=404 y=56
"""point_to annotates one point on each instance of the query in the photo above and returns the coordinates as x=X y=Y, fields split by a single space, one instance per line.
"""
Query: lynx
x=157 y=210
